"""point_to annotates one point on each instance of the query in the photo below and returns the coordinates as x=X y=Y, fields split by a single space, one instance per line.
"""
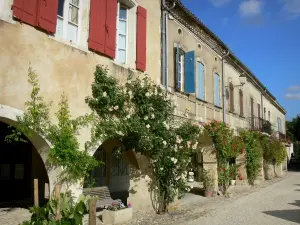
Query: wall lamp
x=242 y=79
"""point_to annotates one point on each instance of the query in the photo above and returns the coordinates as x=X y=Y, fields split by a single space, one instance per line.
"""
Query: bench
x=103 y=194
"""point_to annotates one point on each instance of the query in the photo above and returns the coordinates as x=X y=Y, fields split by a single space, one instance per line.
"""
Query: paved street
x=272 y=204
x=278 y=204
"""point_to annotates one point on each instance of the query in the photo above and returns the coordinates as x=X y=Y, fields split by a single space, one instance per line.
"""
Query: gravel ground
x=277 y=204
x=273 y=202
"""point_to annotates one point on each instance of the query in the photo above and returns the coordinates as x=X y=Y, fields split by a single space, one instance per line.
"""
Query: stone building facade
x=64 y=40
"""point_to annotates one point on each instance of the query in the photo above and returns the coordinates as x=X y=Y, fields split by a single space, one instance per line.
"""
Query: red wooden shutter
x=26 y=11
x=141 y=38
x=47 y=15
x=110 y=28
x=97 y=25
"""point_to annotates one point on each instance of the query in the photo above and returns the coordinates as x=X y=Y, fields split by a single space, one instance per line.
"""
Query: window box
x=117 y=217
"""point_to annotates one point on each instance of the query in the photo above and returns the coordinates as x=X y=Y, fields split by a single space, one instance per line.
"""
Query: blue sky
x=265 y=35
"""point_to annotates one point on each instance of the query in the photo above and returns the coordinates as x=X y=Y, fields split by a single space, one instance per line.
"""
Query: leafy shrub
x=253 y=154
x=60 y=211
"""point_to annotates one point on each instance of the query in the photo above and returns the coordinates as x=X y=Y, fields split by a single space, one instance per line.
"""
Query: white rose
x=104 y=94
x=146 y=118
x=128 y=116
x=147 y=94
x=128 y=81
x=164 y=142
x=116 y=107
x=111 y=109
x=161 y=169
x=152 y=116
x=148 y=126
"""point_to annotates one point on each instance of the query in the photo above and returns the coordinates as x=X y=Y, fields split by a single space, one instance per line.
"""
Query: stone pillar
x=242 y=173
x=210 y=164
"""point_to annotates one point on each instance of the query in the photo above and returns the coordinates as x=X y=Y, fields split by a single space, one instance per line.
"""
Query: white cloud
x=251 y=8
x=219 y=3
x=291 y=96
x=294 y=88
x=292 y=8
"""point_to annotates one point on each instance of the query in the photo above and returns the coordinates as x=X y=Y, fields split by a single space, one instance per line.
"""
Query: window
x=122 y=33
x=217 y=89
x=279 y=125
x=265 y=114
x=241 y=102
x=231 y=97
x=68 y=20
x=179 y=64
x=201 y=79
x=269 y=116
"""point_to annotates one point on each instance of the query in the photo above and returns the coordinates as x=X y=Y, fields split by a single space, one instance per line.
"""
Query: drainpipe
x=223 y=86
x=164 y=39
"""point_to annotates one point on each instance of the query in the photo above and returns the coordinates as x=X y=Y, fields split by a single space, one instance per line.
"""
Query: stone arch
x=115 y=173
x=8 y=115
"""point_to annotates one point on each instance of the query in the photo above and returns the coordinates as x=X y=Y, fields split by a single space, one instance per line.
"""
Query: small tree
x=139 y=114
x=64 y=151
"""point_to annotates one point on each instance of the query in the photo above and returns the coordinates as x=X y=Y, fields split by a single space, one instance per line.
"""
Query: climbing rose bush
x=227 y=146
x=140 y=115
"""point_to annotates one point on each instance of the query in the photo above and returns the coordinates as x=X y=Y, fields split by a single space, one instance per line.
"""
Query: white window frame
x=66 y=22
x=181 y=62
x=127 y=32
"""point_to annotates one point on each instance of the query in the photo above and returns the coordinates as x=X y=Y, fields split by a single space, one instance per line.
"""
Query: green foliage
x=274 y=151
x=64 y=150
x=253 y=154
x=139 y=115
x=227 y=147
x=60 y=211
x=208 y=181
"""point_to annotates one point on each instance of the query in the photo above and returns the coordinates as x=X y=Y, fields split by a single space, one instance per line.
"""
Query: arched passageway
x=114 y=173
x=20 y=164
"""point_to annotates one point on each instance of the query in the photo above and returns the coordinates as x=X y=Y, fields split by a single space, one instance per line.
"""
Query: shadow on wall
x=292 y=215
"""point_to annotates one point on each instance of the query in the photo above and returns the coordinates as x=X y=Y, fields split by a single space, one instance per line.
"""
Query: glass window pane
x=60 y=10
x=122 y=56
x=73 y=14
x=123 y=13
x=72 y=32
x=5 y=171
x=59 y=27
x=122 y=42
x=122 y=27
x=75 y=2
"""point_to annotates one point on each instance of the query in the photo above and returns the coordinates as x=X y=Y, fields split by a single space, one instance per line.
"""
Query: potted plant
x=208 y=184
x=233 y=172
x=117 y=213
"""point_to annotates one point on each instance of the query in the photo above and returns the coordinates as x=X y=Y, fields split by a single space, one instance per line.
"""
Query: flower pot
x=208 y=193
x=232 y=182
x=117 y=217
x=190 y=177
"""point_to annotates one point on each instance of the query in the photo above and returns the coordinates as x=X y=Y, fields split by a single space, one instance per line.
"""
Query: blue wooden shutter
x=177 y=69
x=217 y=90
x=189 y=72
x=200 y=70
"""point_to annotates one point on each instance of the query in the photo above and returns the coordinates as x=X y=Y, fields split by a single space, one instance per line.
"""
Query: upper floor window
x=179 y=64
x=200 y=81
x=279 y=125
x=265 y=114
x=217 y=89
x=68 y=20
x=122 y=33
x=241 y=102
x=269 y=116
x=231 y=97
